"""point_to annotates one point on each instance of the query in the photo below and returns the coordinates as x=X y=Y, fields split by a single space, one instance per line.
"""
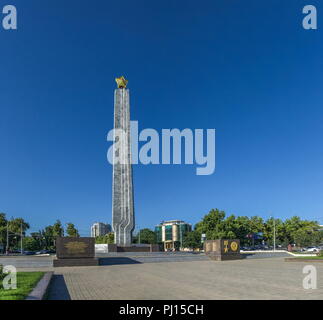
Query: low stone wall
x=40 y=291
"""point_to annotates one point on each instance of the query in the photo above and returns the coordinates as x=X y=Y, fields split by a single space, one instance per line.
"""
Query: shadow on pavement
x=246 y=255
x=58 y=289
x=116 y=260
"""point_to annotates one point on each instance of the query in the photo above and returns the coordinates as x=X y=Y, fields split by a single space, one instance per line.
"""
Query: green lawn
x=26 y=281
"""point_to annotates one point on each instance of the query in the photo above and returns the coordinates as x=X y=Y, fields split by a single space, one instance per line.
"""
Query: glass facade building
x=171 y=233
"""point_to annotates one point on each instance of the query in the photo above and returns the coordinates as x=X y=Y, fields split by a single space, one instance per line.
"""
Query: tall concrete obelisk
x=123 y=221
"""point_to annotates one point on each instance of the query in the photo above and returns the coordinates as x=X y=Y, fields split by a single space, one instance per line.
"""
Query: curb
x=302 y=254
x=302 y=260
x=264 y=251
x=39 y=292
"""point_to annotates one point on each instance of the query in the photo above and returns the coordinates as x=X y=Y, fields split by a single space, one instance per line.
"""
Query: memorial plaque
x=74 y=251
x=222 y=249
x=72 y=247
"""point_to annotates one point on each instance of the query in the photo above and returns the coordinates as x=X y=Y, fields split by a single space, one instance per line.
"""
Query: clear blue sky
x=246 y=68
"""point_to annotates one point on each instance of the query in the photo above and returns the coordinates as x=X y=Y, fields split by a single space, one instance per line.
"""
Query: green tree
x=213 y=225
x=3 y=230
x=280 y=232
x=110 y=238
x=304 y=238
x=18 y=224
x=48 y=237
x=58 y=230
x=242 y=229
x=71 y=230
x=31 y=244
x=16 y=227
x=37 y=236
x=146 y=236
x=317 y=237
x=230 y=227
x=192 y=240
x=300 y=231
x=256 y=224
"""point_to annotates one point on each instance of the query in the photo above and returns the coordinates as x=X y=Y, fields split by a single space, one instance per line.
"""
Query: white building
x=100 y=229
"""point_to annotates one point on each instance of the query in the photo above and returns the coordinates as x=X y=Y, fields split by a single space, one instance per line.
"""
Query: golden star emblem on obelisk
x=121 y=82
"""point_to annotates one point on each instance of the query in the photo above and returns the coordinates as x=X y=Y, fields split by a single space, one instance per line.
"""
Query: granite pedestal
x=222 y=249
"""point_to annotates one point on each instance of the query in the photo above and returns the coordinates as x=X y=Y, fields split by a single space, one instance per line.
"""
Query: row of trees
x=45 y=238
x=215 y=225
x=13 y=230
x=291 y=231
x=145 y=236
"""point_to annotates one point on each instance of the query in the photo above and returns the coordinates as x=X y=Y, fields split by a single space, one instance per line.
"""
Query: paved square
x=270 y=278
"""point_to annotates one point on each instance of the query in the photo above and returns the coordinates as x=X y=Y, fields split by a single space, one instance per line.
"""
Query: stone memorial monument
x=222 y=249
x=123 y=221
x=73 y=251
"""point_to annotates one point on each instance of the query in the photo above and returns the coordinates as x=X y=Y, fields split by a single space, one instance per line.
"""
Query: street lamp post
x=7 y=246
x=181 y=236
x=274 y=232
x=274 y=235
x=21 y=238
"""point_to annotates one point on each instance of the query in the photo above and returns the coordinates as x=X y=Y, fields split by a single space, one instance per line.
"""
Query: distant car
x=29 y=253
x=312 y=249
x=45 y=251
x=15 y=251
x=42 y=252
